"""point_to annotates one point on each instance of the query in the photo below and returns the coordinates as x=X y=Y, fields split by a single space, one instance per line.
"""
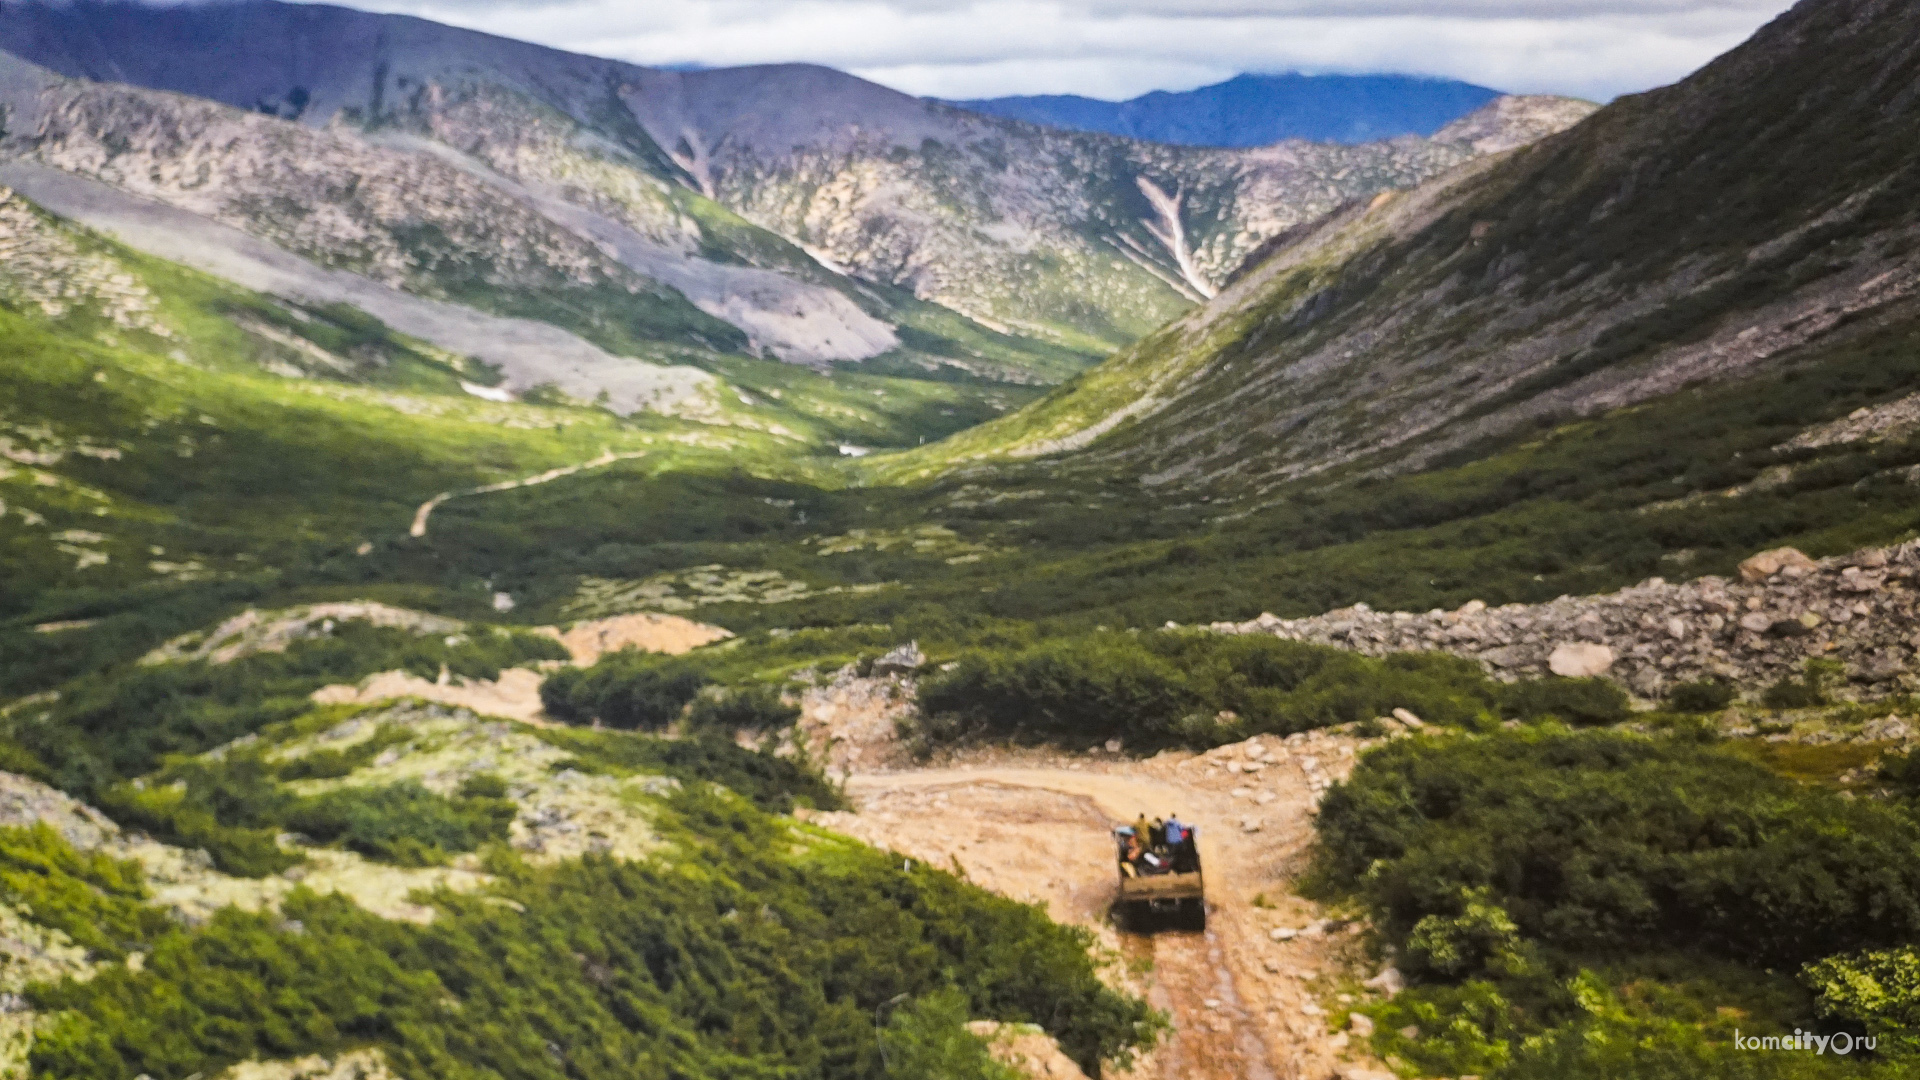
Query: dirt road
x=1245 y=1006
x=420 y=516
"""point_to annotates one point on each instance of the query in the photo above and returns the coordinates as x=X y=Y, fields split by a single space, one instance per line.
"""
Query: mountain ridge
x=1570 y=276
x=1259 y=110
x=858 y=180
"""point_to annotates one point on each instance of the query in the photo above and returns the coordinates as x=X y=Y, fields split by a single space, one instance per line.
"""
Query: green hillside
x=1680 y=333
x=1574 y=276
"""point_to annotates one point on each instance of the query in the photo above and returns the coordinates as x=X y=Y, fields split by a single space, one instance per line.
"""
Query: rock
x=1388 y=982
x=1768 y=563
x=1283 y=933
x=1361 y=1025
x=1410 y=1033
x=1885 y=729
x=904 y=660
x=1579 y=660
x=1361 y=1072
x=1407 y=717
x=1757 y=621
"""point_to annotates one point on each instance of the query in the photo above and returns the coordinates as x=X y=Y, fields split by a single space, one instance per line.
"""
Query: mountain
x=754 y=193
x=1756 y=214
x=1256 y=110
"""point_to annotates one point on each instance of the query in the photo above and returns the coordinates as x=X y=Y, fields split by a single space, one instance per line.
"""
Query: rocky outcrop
x=1857 y=609
x=253 y=631
x=46 y=267
x=852 y=723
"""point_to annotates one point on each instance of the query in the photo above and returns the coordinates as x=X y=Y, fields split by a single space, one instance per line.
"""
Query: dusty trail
x=420 y=516
x=1244 y=1006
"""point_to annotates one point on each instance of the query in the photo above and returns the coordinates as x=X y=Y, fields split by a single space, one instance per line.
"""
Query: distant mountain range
x=1259 y=110
x=790 y=210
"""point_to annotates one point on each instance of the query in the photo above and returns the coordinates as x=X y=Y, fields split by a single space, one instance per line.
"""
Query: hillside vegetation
x=1570 y=278
x=1670 y=337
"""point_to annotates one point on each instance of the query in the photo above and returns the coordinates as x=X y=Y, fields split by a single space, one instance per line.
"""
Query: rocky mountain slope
x=1758 y=210
x=1258 y=110
x=1083 y=240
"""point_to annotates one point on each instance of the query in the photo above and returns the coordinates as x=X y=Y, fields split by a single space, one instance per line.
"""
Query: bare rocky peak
x=778 y=109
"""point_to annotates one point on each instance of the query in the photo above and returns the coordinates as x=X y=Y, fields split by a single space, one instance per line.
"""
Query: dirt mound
x=1027 y=1048
x=515 y=695
x=668 y=634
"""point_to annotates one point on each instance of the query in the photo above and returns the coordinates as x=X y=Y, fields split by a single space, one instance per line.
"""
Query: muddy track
x=1244 y=1006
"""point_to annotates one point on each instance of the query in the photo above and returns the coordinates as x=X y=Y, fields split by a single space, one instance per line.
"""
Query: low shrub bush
x=628 y=690
x=1586 y=702
x=402 y=823
x=1704 y=696
x=744 y=708
x=1157 y=690
x=1599 y=841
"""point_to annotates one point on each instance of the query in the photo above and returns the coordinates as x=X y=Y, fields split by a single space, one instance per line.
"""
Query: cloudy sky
x=1119 y=48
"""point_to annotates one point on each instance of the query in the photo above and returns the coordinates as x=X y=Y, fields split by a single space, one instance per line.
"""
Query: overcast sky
x=1120 y=48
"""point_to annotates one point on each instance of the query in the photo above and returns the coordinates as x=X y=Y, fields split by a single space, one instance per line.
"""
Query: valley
x=515 y=564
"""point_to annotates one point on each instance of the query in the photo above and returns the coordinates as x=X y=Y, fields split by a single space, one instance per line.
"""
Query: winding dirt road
x=420 y=516
x=1245 y=1006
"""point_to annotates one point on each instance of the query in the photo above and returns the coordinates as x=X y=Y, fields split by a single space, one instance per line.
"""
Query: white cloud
x=1119 y=48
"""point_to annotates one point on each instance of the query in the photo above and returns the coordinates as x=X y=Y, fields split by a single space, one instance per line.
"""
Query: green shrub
x=1192 y=689
x=1901 y=772
x=231 y=809
x=1577 y=701
x=1079 y=691
x=117 y=727
x=97 y=901
x=706 y=756
x=1879 y=991
x=483 y=786
x=929 y=1038
x=1704 y=696
x=745 y=708
x=1462 y=943
x=327 y=763
x=1807 y=692
x=402 y=823
x=770 y=960
x=628 y=690
x=1596 y=841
